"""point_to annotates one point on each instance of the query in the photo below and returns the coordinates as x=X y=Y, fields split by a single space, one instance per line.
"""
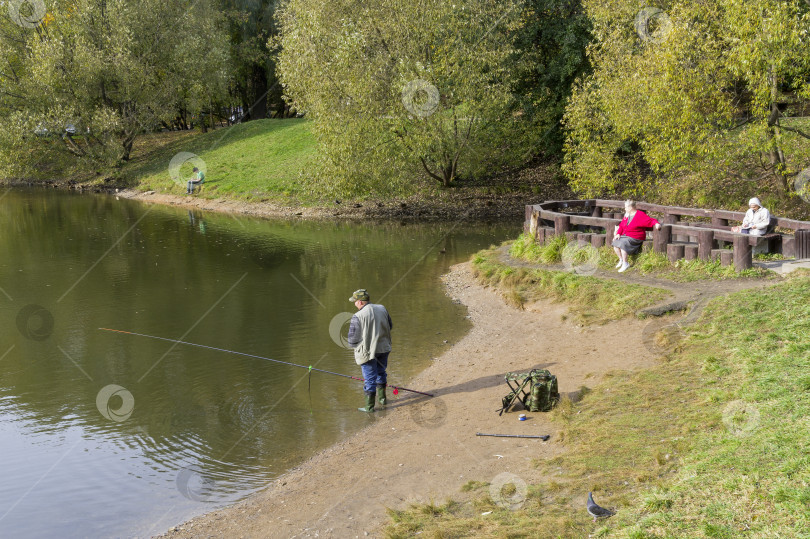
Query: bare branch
x=430 y=173
x=795 y=130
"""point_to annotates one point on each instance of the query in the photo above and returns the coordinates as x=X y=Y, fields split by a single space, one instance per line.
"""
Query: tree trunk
x=258 y=107
x=448 y=174
x=127 y=144
x=777 y=155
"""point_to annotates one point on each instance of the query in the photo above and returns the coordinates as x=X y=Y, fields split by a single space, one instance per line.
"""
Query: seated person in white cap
x=756 y=219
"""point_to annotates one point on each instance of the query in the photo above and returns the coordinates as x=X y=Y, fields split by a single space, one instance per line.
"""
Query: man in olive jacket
x=370 y=336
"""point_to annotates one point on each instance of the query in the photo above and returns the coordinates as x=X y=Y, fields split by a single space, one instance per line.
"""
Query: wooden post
x=572 y=236
x=609 y=235
x=584 y=238
x=540 y=235
x=789 y=246
x=718 y=222
x=661 y=238
x=705 y=244
x=726 y=257
x=716 y=254
x=596 y=211
x=562 y=223
x=533 y=224
x=597 y=240
x=675 y=252
x=801 y=244
x=670 y=219
x=743 y=259
x=690 y=252
x=528 y=213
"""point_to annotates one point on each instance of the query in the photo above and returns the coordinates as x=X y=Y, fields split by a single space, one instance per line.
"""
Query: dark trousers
x=374 y=372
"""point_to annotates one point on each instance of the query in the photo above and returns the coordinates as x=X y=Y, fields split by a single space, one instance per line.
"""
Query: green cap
x=361 y=295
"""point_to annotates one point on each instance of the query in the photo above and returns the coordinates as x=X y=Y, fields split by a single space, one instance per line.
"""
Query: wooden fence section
x=593 y=221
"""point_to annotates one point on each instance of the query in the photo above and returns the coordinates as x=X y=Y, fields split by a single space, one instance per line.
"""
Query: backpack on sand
x=536 y=389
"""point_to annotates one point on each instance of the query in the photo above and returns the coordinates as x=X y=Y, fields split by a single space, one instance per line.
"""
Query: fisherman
x=197 y=179
x=370 y=336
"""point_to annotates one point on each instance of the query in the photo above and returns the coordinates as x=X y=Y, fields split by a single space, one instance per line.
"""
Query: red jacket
x=637 y=228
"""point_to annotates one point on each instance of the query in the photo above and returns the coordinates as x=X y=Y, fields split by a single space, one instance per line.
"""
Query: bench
x=771 y=240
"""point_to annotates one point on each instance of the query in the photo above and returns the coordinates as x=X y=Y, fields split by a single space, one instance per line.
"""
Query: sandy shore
x=423 y=449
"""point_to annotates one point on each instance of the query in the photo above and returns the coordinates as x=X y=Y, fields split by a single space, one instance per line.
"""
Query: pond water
x=106 y=434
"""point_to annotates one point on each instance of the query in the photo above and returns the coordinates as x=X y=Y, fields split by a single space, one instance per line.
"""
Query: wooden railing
x=584 y=221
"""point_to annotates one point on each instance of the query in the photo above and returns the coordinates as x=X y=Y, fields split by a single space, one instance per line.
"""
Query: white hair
x=630 y=203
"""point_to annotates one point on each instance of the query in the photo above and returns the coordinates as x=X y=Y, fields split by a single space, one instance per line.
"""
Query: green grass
x=713 y=441
x=591 y=299
x=258 y=160
x=558 y=249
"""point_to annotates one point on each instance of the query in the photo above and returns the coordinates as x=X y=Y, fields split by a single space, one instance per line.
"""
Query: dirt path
x=425 y=449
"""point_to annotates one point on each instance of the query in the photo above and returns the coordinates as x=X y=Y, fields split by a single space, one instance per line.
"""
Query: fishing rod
x=543 y=437
x=310 y=368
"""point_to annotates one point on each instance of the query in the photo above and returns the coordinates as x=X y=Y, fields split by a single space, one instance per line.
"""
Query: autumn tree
x=402 y=89
x=690 y=97
x=79 y=83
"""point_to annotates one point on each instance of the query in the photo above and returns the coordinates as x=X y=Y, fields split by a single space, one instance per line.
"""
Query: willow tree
x=692 y=97
x=398 y=89
x=79 y=83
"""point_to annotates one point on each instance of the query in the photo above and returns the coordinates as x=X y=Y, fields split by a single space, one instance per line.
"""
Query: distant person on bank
x=631 y=232
x=197 y=179
x=756 y=220
x=370 y=336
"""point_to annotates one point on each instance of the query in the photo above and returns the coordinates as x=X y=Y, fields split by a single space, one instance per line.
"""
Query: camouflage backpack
x=536 y=389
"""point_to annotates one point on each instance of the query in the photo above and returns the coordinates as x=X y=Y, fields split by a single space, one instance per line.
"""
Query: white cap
x=755 y=201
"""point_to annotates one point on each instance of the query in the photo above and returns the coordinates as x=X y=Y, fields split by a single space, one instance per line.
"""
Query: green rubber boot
x=381 y=397
x=369 y=407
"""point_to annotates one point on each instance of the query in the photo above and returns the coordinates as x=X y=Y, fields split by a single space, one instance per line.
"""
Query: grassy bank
x=713 y=441
x=253 y=161
x=590 y=299
x=279 y=161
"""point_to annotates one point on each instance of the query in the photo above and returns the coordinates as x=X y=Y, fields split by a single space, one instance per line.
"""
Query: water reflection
x=117 y=435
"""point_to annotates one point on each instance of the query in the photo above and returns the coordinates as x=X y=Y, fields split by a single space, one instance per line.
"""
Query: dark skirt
x=627 y=244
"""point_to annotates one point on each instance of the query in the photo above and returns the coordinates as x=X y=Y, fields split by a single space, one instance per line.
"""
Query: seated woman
x=756 y=220
x=631 y=232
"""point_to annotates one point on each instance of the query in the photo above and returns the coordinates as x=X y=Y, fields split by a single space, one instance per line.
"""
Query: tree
x=396 y=89
x=89 y=77
x=696 y=94
x=550 y=48
x=252 y=28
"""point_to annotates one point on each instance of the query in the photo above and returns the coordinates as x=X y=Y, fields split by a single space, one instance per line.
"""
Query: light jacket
x=757 y=221
x=370 y=333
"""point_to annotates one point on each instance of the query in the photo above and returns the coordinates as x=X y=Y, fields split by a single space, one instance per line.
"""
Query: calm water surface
x=112 y=435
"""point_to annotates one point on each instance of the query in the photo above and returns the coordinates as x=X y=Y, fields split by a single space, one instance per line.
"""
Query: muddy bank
x=462 y=207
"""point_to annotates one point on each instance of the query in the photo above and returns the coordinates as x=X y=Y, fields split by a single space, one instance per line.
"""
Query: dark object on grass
x=598 y=512
x=544 y=437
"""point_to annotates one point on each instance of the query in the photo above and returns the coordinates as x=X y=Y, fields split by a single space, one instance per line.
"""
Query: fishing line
x=310 y=367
